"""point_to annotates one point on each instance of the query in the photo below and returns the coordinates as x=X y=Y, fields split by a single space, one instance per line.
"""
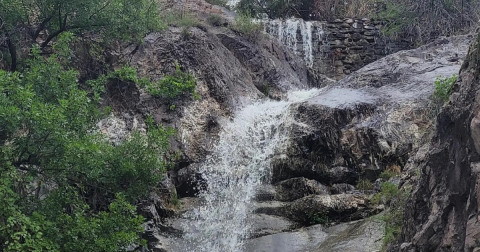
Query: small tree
x=123 y=19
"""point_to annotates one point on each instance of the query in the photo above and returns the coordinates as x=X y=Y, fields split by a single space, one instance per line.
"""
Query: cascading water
x=286 y=32
x=239 y=163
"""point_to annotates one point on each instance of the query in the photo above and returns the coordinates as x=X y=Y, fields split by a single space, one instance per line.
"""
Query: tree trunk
x=13 y=54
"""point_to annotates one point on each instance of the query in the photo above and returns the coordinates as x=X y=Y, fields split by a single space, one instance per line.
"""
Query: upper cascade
x=295 y=33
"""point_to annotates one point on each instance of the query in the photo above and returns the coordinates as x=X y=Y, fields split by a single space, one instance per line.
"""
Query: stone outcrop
x=372 y=120
x=442 y=214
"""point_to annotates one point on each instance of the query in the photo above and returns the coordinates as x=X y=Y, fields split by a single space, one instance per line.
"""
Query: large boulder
x=371 y=121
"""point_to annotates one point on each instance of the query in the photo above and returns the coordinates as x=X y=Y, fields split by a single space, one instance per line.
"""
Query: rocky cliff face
x=442 y=214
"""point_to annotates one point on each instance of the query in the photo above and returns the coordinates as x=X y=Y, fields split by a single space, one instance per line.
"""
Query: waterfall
x=238 y=164
x=287 y=32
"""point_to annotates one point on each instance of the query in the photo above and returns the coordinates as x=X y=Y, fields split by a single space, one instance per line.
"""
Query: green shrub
x=174 y=199
x=48 y=140
x=173 y=86
x=396 y=18
x=388 y=174
x=444 y=87
x=246 y=25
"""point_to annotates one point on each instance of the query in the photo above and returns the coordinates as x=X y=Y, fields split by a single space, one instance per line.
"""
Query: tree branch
x=52 y=36
x=42 y=26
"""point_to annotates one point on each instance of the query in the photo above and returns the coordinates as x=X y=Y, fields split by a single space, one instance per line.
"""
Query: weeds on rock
x=172 y=86
x=443 y=88
x=394 y=200
x=244 y=23
x=169 y=87
x=388 y=174
x=365 y=185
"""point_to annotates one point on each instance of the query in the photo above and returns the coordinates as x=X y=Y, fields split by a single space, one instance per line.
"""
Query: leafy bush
x=246 y=25
x=444 y=87
x=48 y=143
x=172 y=86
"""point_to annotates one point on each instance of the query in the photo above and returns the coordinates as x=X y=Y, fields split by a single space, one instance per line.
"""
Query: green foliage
x=117 y=18
x=394 y=199
x=174 y=198
x=444 y=87
x=246 y=25
x=426 y=20
x=48 y=142
x=364 y=185
x=172 y=86
x=388 y=174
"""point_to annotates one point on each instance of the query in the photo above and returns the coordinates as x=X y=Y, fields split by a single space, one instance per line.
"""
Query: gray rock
x=341 y=188
x=296 y=188
x=371 y=120
x=263 y=224
x=357 y=236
